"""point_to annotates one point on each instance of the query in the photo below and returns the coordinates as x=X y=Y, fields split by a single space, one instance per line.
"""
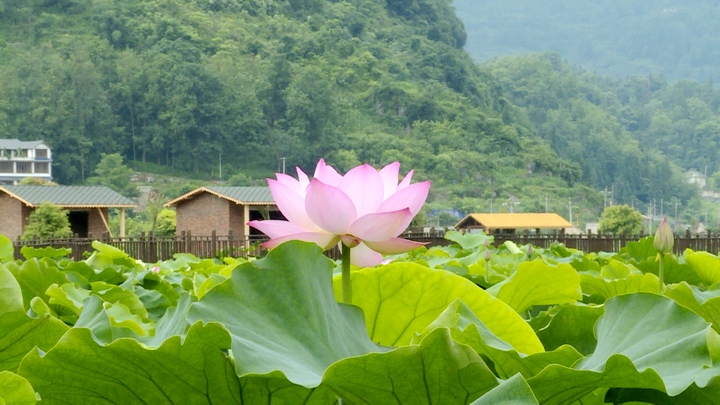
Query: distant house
x=223 y=209
x=87 y=205
x=510 y=222
x=21 y=159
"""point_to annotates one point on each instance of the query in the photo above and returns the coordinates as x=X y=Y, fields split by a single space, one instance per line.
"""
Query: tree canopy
x=47 y=220
x=621 y=219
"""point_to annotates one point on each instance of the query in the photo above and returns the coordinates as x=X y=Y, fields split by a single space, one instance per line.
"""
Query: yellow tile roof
x=514 y=221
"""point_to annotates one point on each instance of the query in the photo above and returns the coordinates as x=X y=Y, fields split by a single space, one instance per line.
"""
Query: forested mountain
x=677 y=39
x=182 y=84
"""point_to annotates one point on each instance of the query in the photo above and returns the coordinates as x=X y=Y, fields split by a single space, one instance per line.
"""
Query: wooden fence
x=150 y=248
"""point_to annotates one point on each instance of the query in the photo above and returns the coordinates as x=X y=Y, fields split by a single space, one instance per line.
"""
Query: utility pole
x=676 y=204
x=605 y=199
x=283 y=164
x=612 y=194
x=220 y=172
x=546 y=203
x=651 y=217
x=570 y=208
x=661 y=207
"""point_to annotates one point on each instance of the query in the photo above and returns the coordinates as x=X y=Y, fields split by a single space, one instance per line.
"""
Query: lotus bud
x=156 y=269
x=664 y=239
x=529 y=250
x=487 y=254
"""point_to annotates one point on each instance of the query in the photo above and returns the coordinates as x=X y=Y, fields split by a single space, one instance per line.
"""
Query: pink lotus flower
x=365 y=209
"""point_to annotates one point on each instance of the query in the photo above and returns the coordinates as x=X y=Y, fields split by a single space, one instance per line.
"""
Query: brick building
x=87 y=207
x=223 y=209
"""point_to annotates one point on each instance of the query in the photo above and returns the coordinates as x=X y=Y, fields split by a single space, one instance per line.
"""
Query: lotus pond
x=462 y=324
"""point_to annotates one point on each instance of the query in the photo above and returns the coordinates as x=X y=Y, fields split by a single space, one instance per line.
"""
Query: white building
x=21 y=159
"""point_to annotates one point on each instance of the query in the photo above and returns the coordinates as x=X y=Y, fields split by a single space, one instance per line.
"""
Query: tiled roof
x=69 y=196
x=238 y=195
x=514 y=221
x=18 y=144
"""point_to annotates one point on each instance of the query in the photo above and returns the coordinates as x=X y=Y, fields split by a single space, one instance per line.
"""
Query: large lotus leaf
x=676 y=269
x=274 y=388
x=539 y=283
x=282 y=315
x=602 y=288
x=438 y=371
x=30 y=252
x=514 y=391
x=7 y=251
x=466 y=328
x=19 y=333
x=78 y=370
x=401 y=299
x=640 y=250
x=469 y=241
x=644 y=341
x=706 y=265
x=67 y=300
x=15 y=390
x=703 y=303
x=35 y=276
x=571 y=325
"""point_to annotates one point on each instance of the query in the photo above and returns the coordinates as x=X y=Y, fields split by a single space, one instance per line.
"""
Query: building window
x=6 y=167
x=21 y=153
x=42 y=167
x=41 y=153
x=23 y=167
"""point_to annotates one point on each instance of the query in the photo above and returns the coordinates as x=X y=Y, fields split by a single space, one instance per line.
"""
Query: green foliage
x=271 y=330
x=113 y=173
x=621 y=219
x=45 y=221
x=165 y=225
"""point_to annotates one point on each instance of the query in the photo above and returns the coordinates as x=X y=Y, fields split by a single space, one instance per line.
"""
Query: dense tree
x=47 y=220
x=113 y=173
x=621 y=219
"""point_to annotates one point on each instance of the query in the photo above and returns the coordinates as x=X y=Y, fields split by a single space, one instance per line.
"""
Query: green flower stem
x=346 y=281
x=661 y=273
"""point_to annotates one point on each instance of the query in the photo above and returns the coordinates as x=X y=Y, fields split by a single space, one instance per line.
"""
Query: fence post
x=188 y=242
x=213 y=243
x=231 y=244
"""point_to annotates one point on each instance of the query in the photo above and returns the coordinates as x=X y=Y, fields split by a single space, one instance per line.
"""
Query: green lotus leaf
x=67 y=300
x=15 y=390
x=438 y=371
x=640 y=250
x=703 y=303
x=514 y=391
x=401 y=299
x=30 y=252
x=78 y=370
x=705 y=265
x=539 y=283
x=19 y=333
x=469 y=241
x=114 y=294
x=466 y=328
x=645 y=341
x=7 y=250
x=604 y=288
x=35 y=276
x=282 y=315
x=274 y=388
x=571 y=325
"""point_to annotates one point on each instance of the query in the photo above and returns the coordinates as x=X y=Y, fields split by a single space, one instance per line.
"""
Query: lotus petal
x=382 y=226
x=412 y=196
x=329 y=208
x=276 y=229
x=324 y=240
x=389 y=175
x=291 y=204
x=394 y=246
x=364 y=186
x=363 y=256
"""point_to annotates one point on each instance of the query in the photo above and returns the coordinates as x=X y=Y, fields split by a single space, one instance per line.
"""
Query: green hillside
x=176 y=86
x=617 y=37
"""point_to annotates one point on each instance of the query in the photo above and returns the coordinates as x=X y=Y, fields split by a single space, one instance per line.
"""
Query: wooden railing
x=150 y=248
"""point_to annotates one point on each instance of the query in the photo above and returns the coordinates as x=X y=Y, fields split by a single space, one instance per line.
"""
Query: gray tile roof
x=69 y=196
x=246 y=194
x=238 y=195
x=18 y=144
